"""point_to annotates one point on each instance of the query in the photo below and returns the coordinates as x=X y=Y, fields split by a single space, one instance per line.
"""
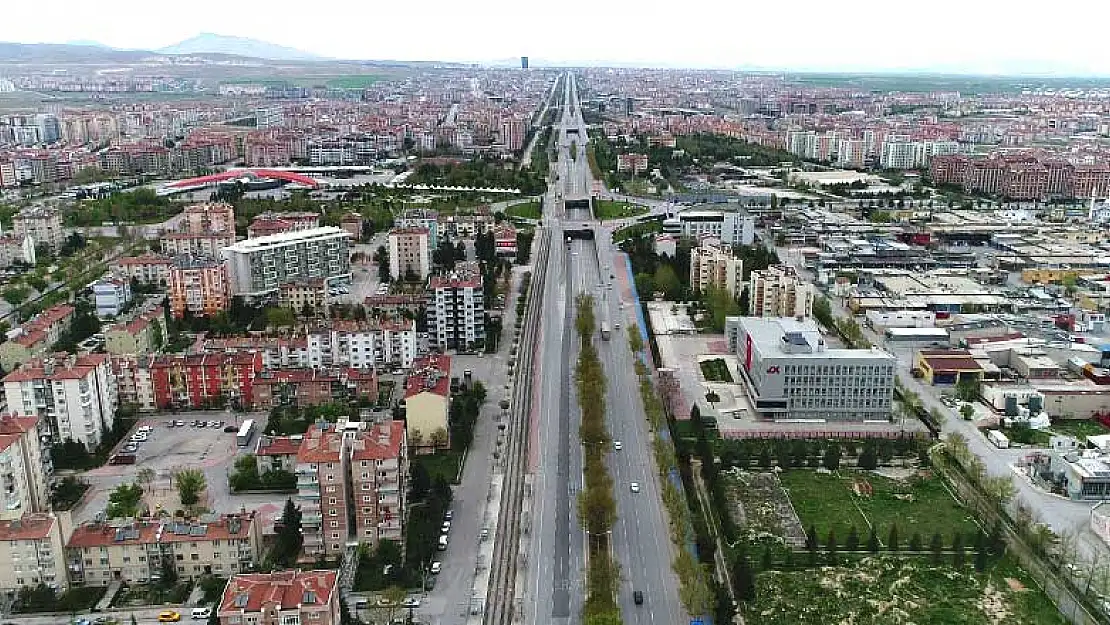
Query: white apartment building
x=410 y=253
x=184 y=243
x=43 y=225
x=712 y=266
x=778 y=291
x=900 y=153
x=732 y=225
x=791 y=375
x=456 y=310
x=25 y=469
x=362 y=345
x=33 y=553
x=269 y=116
x=257 y=267
x=422 y=218
x=111 y=296
x=75 y=395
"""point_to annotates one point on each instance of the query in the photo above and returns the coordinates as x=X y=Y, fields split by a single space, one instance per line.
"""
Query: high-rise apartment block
x=43 y=225
x=779 y=291
x=713 y=266
x=75 y=396
x=422 y=218
x=25 y=467
x=198 y=285
x=456 y=309
x=257 y=267
x=410 y=253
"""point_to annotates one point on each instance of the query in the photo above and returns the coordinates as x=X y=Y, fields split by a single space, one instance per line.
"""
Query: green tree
x=868 y=460
x=892 y=540
x=743 y=579
x=831 y=461
x=124 y=501
x=852 y=542
x=915 y=542
x=872 y=541
x=967 y=412
x=16 y=295
x=189 y=483
x=958 y=550
x=830 y=548
x=287 y=542
x=666 y=280
x=936 y=546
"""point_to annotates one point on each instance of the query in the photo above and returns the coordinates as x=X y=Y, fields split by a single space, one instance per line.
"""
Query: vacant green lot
x=441 y=464
x=1080 y=429
x=919 y=504
x=527 y=210
x=715 y=370
x=355 y=81
x=609 y=209
x=637 y=230
x=882 y=591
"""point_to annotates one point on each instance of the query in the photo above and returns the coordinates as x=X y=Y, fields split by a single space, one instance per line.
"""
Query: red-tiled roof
x=437 y=368
x=278 y=445
x=102 y=535
x=283 y=590
x=145 y=259
x=320 y=445
x=953 y=364
x=372 y=445
x=66 y=367
x=146 y=531
x=979 y=340
x=27 y=527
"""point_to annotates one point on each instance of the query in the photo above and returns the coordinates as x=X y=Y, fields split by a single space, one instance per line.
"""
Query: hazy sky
x=948 y=35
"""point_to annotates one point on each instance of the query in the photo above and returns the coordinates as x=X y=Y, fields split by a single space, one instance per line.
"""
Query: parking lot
x=167 y=450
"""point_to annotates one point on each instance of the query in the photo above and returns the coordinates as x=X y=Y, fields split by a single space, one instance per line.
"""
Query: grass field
x=919 y=504
x=1080 y=429
x=636 y=230
x=609 y=209
x=715 y=370
x=527 y=210
x=355 y=81
x=882 y=591
x=441 y=463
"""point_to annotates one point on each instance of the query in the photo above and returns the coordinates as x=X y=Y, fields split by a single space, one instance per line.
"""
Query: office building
x=43 y=225
x=733 y=226
x=456 y=311
x=74 y=395
x=25 y=467
x=713 y=266
x=523 y=62
x=111 y=296
x=257 y=267
x=790 y=374
x=33 y=553
x=410 y=253
x=198 y=285
x=779 y=291
x=281 y=598
x=137 y=551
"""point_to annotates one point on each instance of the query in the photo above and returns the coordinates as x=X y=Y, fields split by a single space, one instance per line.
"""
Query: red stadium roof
x=287 y=176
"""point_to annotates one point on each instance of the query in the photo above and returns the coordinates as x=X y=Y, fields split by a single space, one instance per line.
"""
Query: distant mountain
x=59 y=53
x=209 y=43
x=89 y=43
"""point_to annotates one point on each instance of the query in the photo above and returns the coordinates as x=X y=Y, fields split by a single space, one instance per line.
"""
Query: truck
x=998 y=439
x=605 y=330
x=245 y=434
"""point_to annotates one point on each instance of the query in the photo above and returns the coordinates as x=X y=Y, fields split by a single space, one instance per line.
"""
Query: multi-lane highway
x=640 y=539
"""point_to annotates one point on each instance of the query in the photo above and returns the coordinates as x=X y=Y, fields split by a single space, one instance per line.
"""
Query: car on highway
x=169 y=616
x=634 y=487
x=617 y=445
x=436 y=567
x=638 y=597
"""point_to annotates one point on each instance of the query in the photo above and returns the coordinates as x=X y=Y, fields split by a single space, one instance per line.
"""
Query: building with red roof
x=79 y=388
x=312 y=387
x=25 y=469
x=427 y=399
x=135 y=551
x=379 y=467
x=310 y=597
x=277 y=453
x=35 y=337
x=271 y=222
x=204 y=380
x=33 y=549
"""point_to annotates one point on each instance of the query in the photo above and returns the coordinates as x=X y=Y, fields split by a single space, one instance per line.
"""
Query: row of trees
x=596 y=504
x=479 y=173
x=127 y=499
x=246 y=476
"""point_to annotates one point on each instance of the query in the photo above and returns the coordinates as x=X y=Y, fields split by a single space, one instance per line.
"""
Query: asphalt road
x=640 y=536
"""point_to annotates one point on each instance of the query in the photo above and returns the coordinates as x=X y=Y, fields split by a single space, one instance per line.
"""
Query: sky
x=965 y=36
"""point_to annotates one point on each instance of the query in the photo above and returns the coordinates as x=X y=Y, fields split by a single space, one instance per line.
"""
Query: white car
x=446 y=527
x=411 y=602
x=436 y=567
x=634 y=487
x=617 y=445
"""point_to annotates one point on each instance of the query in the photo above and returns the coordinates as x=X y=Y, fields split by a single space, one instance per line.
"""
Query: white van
x=201 y=613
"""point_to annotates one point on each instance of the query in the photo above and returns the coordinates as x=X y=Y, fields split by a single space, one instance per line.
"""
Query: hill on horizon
x=210 y=43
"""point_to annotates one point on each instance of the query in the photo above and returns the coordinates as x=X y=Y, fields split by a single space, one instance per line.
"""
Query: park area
x=611 y=209
x=918 y=503
x=886 y=590
x=525 y=210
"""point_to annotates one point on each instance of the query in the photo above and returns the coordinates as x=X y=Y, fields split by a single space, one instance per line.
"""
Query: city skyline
x=705 y=34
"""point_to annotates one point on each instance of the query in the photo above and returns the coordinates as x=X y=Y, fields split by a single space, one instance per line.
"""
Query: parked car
x=437 y=566
x=201 y=613
x=168 y=616
x=231 y=429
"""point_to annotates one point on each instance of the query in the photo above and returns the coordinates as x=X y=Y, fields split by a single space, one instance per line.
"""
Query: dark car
x=231 y=429
x=638 y=597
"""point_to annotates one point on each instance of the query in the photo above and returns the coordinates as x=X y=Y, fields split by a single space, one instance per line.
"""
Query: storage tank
x=1011 y=405
x=1036 y=404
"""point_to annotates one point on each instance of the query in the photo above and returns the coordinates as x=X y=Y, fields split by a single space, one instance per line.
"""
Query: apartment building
x=143 y=332
x=281 y=598
x=111 y=296
x=296 y=295
x=362 y=344
x=427 y=400
x=204 y=380
x=456 y=309
x=634 y=163
x=198 y=285
x=790 y=374
x=148 y=268
x=131 y=552
x=312 y=387
x=277 y=453
x=16 y=248
x=270 y=223
x=322 y=490
x=779 y=291
x=379 y=467
x=207 y=218
x=25 y=467
x=134 y=385
x=37 y=336
x=731 y=225
x=421 y=218
x=33 y=553
x=713 y=266
x=410 y=253
x=208 y=244
x=43 y=225
x=75 y=396
x=257 y=267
